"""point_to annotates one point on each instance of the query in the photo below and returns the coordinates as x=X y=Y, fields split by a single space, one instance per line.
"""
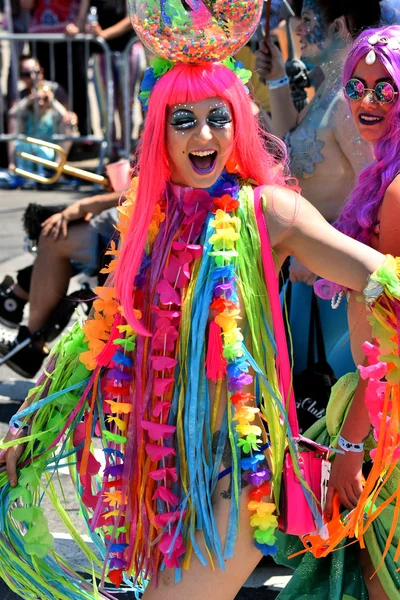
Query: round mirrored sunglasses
x=383 y=92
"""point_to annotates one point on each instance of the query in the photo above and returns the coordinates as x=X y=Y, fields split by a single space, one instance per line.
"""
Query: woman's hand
x=298 y=273
x=94 y=29
x=11 y=459
x=58 y=223
x=269 y=61
x=346 y=480
x=70 y=119
x=72 y=29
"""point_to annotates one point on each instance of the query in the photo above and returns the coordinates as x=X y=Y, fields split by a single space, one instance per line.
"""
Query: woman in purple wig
x=371 y=83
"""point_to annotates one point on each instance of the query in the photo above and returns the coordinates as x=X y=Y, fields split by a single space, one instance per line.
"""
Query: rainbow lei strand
x=152 y=484
x=227 y=308
x=382 y=398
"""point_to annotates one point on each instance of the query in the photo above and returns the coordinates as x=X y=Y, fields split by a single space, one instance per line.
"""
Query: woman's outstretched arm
x=297 y=228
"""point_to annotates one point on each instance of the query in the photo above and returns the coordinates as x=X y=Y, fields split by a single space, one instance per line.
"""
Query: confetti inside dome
x=195 y=31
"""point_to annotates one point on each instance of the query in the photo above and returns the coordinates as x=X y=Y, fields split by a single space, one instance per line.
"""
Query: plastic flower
x=225 y=221
x=158 y=67
x=222 y=304
x=226 y=272
x=164 y=338
x=263 y=491
x=157 y=452
x=224 y=239
x=158 y=431
x=233 y=337
x=257 y=478
x=227 y=321
x=115 y=498
x=118 y=422
x=246 y=414
x=166 y=495
x=223 y=256
x=251 y=462
x=167 y=518
x=238 y=68
x=233 y=351
x=249 y=443
x=105 y=302
x=266 y=549
x=262 y=508
x=236 y=384
x=172 y=550
x=161 y=474
x=265 y=536
x=264 y=523
x=128 y=343
x=226 y=203
x=240 y=365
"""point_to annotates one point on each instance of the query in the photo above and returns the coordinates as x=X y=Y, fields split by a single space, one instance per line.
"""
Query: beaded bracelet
x=274 y=84
x=349 y=446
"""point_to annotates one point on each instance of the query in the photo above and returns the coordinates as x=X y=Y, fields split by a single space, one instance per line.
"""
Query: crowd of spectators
x=46 y=80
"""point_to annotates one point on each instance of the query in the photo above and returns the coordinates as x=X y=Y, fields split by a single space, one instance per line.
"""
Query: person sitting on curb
x=71 y=240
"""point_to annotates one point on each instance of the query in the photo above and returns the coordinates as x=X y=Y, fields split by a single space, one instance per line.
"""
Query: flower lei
x=160 y=66
x=228 y=357
x=382 y=398
x=118 y=382
x=225 y=356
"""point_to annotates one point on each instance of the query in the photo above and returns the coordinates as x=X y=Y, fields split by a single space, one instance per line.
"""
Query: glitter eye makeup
x=182 y=119
x=219 y=117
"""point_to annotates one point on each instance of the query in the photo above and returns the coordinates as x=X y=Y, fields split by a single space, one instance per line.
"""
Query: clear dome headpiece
x=195 y=31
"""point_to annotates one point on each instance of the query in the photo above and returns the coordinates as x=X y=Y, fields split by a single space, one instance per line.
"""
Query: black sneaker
x=28 y=359
x=11 y=308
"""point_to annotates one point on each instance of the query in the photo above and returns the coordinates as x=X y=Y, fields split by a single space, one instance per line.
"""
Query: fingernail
x=13 y=482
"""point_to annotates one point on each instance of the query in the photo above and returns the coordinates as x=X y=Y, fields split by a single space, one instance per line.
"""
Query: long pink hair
x=188 y=84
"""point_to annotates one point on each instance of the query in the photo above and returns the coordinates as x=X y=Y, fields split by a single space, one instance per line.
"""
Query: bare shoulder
x=391 y=202
x=281 y=208
x=394 y=188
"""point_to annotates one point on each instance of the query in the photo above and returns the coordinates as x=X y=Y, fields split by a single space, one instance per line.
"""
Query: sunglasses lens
x=384 y=92
x=354 y=89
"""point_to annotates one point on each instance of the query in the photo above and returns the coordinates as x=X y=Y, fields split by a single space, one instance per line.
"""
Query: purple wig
x=360 y=213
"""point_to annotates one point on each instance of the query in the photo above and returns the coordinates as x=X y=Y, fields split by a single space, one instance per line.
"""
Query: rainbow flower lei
x=112 y=342
x=229 y=358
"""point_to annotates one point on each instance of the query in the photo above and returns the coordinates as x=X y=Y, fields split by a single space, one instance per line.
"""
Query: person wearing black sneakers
x=63 y=249
x=13 y=298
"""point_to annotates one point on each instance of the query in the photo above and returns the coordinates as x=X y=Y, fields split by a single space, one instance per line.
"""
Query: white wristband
x=349 y=446
x=274 y=84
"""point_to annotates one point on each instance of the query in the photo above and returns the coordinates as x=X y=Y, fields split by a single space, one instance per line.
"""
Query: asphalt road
x=266 y=581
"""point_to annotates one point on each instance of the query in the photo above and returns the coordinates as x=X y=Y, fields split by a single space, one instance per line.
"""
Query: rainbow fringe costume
x=200 y=292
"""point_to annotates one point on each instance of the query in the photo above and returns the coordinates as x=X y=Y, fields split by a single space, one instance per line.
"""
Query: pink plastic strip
x=271 y=280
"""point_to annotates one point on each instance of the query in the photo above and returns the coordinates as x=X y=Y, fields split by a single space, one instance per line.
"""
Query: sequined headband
x=392 y=42
x=159 y=66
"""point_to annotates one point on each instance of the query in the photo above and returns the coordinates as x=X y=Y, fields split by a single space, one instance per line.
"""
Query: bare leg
x=374 y=586
x=204 y=583
x=52 y=272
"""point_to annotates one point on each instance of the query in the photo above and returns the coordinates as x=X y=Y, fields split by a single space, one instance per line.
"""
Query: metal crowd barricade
x=128 y=99
x=52 y=40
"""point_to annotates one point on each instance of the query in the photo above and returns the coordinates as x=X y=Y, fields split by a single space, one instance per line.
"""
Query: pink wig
x=187 y=84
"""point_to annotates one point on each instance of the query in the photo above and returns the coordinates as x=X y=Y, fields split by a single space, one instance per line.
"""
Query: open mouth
x=369 y=119
x=203 y=161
